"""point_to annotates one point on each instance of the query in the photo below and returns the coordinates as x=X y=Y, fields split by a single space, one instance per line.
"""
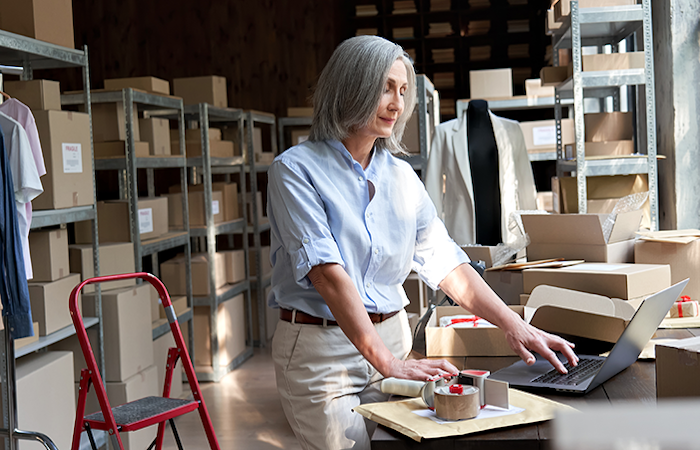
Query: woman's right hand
x=421 y=369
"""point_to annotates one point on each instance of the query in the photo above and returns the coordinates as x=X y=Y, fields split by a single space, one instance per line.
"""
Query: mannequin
x=483 y=158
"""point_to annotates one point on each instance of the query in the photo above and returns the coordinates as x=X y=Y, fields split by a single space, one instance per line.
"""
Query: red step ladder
x=146 y=411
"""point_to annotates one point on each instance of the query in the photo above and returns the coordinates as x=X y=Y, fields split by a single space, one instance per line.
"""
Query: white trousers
x=321 y=377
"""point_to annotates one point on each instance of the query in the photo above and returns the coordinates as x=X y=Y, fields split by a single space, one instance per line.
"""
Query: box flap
x=670 y=236
x=690 y=344
x=626 y=225
x=565 y=228
x=564 y=311
x=566 y=298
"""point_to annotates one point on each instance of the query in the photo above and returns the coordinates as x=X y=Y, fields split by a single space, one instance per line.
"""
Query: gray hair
x=350 y=87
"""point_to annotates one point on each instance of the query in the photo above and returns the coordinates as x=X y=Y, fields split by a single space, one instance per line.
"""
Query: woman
x=349 y=221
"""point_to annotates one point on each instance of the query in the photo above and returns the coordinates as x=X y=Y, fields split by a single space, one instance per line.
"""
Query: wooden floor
x=244 y=408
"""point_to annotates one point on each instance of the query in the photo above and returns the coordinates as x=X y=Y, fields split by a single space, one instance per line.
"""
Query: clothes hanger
x=7 y=96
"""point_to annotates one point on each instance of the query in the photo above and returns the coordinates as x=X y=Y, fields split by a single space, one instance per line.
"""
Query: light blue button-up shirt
x=320 y=212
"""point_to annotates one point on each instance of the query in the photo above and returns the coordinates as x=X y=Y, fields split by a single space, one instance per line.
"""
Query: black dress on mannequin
x=483 y=160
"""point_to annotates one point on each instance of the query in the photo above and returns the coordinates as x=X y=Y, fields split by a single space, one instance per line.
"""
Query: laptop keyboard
x=585 y=369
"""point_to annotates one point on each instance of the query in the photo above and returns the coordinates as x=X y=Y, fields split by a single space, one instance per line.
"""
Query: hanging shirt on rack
x=13 y=279
x=22 y=114
x=26 y=183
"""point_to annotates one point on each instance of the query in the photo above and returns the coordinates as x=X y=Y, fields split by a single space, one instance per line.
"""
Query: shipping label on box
x=541 y=135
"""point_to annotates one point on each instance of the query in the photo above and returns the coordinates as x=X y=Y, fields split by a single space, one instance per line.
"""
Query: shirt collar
x=371 y=168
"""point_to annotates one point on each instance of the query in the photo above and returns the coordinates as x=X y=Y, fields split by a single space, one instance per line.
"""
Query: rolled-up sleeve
x=298 y=217
x=435 y=254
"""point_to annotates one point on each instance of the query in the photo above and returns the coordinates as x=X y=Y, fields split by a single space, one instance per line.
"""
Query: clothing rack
x=20 y=55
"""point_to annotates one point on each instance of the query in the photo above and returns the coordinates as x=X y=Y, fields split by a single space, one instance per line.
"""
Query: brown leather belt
x=306 y=319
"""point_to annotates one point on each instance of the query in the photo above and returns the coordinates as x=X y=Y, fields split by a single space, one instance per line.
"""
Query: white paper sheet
x=487 y=412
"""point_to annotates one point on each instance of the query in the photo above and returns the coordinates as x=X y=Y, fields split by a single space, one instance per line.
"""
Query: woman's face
x=392 y=103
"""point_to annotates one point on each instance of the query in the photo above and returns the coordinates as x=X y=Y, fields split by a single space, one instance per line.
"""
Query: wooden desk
x=638 y=382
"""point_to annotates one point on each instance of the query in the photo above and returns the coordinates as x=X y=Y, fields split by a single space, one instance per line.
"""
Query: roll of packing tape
x=409 y=388
x=456 y=402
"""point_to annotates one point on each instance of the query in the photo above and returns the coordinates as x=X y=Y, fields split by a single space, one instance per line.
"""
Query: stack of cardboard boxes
x=225 y=204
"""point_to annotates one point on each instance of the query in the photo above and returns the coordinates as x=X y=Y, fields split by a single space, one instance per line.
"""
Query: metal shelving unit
x=259 y=283
x=597 y=27
x=203 y=168
x=128 y=167
x=287 y=122
x=29 y=54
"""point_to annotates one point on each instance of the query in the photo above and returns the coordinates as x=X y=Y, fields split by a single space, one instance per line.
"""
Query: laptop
x=593 y=370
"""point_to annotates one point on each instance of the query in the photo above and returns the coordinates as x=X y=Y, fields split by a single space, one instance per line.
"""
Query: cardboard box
x=195 y=134
x=45 y=397
x=555 y=310
x=194 y=90
x=507 y=284
x=116 y=149
x=302 y=135
x=72 y=344
x=115 y=258
x=113 y=221
x=682 y=254
x=493 y=83
x=22 y=342
x=160 y=355
x=613 y=61
x=179 y=304
x=36 y=94
x=678 y=368
x=49 y=21
x=196 y=209
x=551 y=25
x=534 y=88
x=597 y=188
x=49 y=253
x=262 y=218
x=217 y=149
x=157 y=133
x=611 y=148
x=128 y=335
x=300 y=111
x=230 y=331
x=554 y=76
x=65 y=142
x=229 y=198
x=272 y=316
x=541 y=135
x=624 y=281
x=50 y=303
x=235 y=265
x=485 y=253
x=109 y=122
x=581 y=236
x=563 y=7
x=155 y=305
x=172 y=273
x=149 y=84
x=264 y=259
x=417 y=293
x=610 y=126
x=545 y=201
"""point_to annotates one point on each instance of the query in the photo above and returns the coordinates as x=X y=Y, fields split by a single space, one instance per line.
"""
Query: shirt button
x=305 y=241
x=369 y=285
x=376 y=251
x=359 y=178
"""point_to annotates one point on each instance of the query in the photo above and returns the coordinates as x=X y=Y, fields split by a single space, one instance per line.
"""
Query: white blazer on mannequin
x=449 y=158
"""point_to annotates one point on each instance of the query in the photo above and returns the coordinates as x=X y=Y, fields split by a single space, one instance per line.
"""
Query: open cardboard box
x=580 y=236
x=556 y=310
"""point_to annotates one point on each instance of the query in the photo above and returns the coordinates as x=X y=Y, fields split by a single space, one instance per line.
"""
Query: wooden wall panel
x=270 y=51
